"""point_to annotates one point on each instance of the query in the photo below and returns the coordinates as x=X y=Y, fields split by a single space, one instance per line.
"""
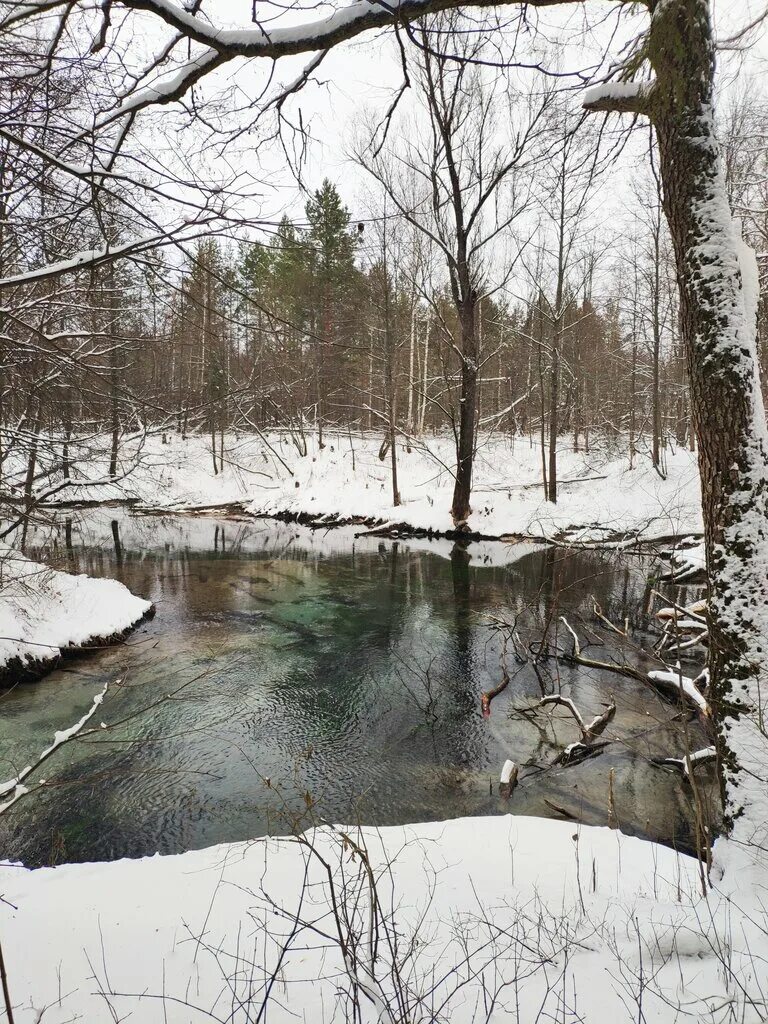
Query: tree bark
x=718 y=318
x=465 y=445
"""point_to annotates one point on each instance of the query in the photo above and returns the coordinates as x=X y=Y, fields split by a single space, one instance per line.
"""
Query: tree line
x=476 y=293
x=331 y=323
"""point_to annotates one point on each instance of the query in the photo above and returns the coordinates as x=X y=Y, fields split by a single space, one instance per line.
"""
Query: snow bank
x=556 y=921
x=44 y=611
x=600 y=498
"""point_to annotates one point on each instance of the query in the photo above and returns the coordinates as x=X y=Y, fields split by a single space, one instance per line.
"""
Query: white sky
x=362 y=75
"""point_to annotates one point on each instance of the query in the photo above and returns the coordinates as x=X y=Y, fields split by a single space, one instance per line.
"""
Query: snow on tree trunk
x=718 y=316
x=717 y=277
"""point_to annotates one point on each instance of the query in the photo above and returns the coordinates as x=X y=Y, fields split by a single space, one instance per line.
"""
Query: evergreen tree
x=333 y=276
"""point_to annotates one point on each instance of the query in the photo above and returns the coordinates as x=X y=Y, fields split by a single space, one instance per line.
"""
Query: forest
x=383 y=511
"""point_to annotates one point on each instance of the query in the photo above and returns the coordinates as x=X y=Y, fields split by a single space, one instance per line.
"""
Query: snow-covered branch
x=620 y=97
x=14 y=789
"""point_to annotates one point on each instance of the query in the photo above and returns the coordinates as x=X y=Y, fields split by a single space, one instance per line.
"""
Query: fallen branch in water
x=595 y=727
x=598 y=611
x=668 y=679
x=586 y=747
x=577 y=752
x=562 y=810
x=487 y=696
x=576 y=657
x=687 y=764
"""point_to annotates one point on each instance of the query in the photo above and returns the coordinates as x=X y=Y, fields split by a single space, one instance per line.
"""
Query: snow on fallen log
x=676 y=682
x=684 y=626
x=44 y=612
x=508 y=778
x=686 y=765
x=687 y=564
x=579 y=751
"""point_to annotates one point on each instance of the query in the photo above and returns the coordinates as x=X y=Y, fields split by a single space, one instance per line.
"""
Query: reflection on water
x=291 y=674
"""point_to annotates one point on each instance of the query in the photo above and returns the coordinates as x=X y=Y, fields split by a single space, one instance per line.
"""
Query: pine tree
x=332 y=274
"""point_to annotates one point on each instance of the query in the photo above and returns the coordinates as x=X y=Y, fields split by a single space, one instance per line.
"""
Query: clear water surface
x=292 y=675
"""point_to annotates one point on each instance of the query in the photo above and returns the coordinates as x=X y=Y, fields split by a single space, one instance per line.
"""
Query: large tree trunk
x=718 y=312
x=717 y=277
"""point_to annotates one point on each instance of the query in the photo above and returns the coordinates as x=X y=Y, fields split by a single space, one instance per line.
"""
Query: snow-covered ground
x=486 y=919
x=44 y=611
x=600 y=497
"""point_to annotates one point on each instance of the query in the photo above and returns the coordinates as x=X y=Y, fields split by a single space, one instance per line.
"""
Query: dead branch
x=686 y=765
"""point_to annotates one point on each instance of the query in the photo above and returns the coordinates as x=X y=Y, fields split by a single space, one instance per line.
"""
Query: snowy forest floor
x=506 y=919
x=600 y=498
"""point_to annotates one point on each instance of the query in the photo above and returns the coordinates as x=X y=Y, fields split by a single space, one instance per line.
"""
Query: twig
x=6 y=993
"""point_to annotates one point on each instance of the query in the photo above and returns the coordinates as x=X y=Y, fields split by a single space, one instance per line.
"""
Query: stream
x=294 y=675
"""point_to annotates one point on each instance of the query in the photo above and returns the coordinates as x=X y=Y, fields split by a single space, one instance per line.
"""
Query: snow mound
x=43 y=611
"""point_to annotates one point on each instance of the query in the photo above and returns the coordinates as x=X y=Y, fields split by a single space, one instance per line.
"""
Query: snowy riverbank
x=600 y=498
x=44 y=612
x=480 y=924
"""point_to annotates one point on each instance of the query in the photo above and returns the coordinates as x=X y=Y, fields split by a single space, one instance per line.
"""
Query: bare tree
x=569 y=179
x=469 y=194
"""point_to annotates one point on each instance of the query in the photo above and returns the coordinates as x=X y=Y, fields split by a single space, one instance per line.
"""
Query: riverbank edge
x=18 y=671
x=399 y=530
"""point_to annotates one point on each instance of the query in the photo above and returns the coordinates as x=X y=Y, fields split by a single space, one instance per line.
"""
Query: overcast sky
x=362 y=76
